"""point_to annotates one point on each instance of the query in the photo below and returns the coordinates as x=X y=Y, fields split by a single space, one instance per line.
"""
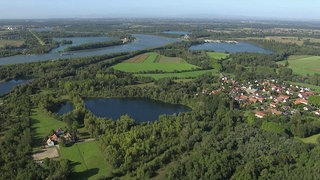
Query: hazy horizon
x=272 y=9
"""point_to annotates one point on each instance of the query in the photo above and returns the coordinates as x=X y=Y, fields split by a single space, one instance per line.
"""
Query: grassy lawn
x=42 y=124
x=183 y=75
x=305 y=65
x=217 y=55
x=87 y=160
x=311 y=139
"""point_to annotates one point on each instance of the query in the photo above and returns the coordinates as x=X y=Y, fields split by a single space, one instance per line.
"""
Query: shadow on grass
x=84 y=175
x=36 y=139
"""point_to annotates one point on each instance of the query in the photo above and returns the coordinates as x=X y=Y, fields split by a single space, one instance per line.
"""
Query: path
x=37 y=37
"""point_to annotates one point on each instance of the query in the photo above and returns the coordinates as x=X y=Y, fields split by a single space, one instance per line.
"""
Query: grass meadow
x=305 y=65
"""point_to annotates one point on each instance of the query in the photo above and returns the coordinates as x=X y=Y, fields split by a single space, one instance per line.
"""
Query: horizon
x=178 y=9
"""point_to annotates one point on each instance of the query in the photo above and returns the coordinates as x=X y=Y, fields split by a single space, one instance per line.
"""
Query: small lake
x=142 y=42
x=6 y=87
x=176 y=32
x=65 y=108
x=79 y=40
x=231 y=47
x=140 y=109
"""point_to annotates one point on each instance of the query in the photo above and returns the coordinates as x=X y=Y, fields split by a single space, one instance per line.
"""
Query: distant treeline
x=94 y=45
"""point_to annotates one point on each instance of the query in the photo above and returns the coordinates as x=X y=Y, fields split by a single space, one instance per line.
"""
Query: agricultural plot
x=154 y=62
x=87 y=160
x=305 y=65
x=13 y=43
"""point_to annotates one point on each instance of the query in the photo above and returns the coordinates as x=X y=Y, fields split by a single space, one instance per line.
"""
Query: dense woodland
x=216 y=140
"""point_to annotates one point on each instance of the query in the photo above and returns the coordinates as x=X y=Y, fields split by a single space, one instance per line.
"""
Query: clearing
x=87 y=160
x=311 y=139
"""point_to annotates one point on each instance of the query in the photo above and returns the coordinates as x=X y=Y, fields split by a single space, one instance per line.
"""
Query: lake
x=231 y=47
x=65 y=108
x=142 y=42
x=140 y=109
x=6 y=87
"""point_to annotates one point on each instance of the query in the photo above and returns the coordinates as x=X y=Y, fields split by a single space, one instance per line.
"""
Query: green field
x=217 y=55
x=153 y=63
x=305 y=65
x=87 y=160
x=191 y=74
x=42 y=124
x=311 y=139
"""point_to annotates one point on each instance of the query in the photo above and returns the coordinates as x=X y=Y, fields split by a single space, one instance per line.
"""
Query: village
x=268 y=96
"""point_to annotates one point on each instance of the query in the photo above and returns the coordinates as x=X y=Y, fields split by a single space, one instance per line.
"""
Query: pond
x=140 y=109
x=65 y=108
x=230 y=47
x=142 y=42
x=6 y=87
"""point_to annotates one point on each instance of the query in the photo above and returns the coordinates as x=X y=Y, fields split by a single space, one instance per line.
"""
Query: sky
x=267 y=9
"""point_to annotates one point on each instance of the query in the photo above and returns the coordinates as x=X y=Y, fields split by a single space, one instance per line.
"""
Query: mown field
x=154 y=62
x=305 y=65
x=87 y=160
x=191 y=74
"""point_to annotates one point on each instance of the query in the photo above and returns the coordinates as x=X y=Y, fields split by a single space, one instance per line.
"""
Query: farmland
x=305 y=65
x=154 y=62
x=87 y=160
x=14 y=43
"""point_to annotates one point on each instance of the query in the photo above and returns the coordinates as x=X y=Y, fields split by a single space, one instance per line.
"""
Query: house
x=54 y=137
x=273 y=105
x=317 y=112
x=260 y=114
x=50 y=142
x=301 y=101
x=276 y=112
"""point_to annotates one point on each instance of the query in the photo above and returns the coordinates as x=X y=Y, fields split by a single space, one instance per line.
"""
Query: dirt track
x=50 y=152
